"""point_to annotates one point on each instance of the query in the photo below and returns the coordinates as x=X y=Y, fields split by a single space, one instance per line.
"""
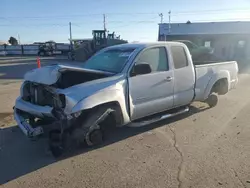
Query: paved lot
x=205 y=148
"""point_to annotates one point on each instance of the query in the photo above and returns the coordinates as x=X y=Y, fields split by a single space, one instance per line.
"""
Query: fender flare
x=101 y=98
x=224 y=74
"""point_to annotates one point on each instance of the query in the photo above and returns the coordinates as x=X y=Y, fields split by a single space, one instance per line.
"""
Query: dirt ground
x=204 y=148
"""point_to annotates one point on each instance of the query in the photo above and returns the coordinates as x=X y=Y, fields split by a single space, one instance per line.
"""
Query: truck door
x=184 y=76
x=153 y=92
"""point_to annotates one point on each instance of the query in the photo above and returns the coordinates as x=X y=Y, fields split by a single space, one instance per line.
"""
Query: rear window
x=179 y=57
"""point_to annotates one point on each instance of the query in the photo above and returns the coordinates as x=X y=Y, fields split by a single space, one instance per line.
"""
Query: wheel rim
x=95 y=137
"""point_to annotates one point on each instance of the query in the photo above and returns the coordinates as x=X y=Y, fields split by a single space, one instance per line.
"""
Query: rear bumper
x=27 y=129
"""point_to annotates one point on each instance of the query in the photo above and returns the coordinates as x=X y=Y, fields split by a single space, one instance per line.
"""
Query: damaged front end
x=39 y=107
x=42 y=98
x=42 y=110
x=59 y=102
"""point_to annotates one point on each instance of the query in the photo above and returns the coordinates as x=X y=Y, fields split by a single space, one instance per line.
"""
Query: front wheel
x=95 y=137
x=212 y=100
x=58 y=142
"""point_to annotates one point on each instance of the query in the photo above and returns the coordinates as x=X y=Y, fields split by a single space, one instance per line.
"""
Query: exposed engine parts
x=42 y=95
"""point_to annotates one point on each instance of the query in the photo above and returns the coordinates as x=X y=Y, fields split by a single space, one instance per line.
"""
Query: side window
x=155 y=57
x=179 y=57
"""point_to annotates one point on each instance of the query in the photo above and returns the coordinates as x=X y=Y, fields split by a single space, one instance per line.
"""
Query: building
x=230 y=40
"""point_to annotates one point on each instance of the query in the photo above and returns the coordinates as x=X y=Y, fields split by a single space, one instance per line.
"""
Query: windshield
x=112 y=60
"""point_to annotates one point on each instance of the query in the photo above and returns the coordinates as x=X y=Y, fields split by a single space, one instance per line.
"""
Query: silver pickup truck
x=128 y=84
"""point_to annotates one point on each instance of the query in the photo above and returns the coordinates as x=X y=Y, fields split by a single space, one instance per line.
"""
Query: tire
x=56 y=151
x=212 y=100
x=55 y=144
x=58 y=144
x=96 y=137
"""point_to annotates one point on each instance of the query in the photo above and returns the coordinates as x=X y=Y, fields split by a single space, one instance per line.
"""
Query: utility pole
x=169 y=21
x=19 y=41
x=70 y=35
x=104 y=22
x=161 y=15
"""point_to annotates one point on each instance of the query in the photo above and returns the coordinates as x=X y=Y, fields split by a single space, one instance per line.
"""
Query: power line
x=118 y=22
x=78 y=24
x=138 y=22
x=71 y=16
x=124 y=13
x=125 y=24
x=210 y=11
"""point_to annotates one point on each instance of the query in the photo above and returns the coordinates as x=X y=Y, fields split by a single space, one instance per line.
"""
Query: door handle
x=169 y=78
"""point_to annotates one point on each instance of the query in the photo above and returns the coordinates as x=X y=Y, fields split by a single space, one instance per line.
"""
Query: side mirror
x=142 y=68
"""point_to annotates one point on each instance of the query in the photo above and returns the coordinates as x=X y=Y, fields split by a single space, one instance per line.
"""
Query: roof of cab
x=144 y=44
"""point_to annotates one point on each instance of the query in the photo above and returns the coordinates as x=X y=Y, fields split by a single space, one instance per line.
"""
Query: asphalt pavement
x=205 y=148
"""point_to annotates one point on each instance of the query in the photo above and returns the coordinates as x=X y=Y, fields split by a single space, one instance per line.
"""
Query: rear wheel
x=212 y=100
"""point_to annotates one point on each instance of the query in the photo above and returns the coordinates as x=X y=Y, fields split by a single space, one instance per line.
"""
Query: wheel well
x=115 y=116
x=220 y=86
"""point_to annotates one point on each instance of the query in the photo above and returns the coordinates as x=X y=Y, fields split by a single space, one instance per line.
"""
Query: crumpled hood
x=49 y=75
x=80 y=91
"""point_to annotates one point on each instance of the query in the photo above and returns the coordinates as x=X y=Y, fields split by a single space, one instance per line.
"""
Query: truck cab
x=172 y=69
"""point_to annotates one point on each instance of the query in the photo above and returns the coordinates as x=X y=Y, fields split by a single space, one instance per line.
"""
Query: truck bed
x=205 y=73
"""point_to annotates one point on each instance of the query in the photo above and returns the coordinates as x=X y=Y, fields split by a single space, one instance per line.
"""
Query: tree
x=13 y=41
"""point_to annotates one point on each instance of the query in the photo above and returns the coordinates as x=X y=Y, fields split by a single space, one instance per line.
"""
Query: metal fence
x=31 y=49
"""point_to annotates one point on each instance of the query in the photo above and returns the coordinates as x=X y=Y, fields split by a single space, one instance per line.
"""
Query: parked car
x=128 y=84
